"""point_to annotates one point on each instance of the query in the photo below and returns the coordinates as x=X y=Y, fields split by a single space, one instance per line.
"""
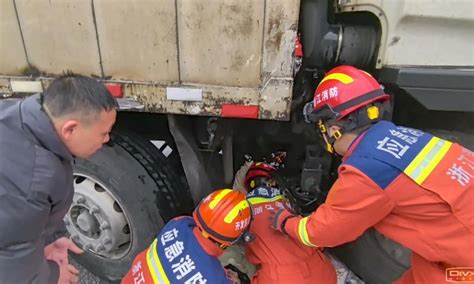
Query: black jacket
x=36 y=190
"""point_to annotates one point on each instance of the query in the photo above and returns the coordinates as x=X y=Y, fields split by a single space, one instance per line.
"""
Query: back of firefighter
x=187 y=248
x=281 y=260
x=412 y=187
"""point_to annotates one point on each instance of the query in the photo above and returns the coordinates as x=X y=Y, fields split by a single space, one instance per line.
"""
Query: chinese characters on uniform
x=462 y=171
x=137 y=273
x=399 y=142
x=181 y=265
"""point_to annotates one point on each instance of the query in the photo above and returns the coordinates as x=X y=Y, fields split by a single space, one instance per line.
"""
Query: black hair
x=73 y=93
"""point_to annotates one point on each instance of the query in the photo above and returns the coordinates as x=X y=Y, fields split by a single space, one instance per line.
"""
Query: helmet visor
x=324 y=113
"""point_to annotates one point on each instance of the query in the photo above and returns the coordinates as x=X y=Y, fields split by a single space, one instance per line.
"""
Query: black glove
x=244 y=279
x=278 y=219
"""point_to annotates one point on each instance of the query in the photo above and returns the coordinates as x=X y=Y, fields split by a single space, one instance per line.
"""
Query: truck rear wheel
x=123 y=196
x=374 y=258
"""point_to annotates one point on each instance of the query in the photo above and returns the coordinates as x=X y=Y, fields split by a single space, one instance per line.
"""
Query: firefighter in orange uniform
x=186 y=249
x=281 y=260
x=411 y=186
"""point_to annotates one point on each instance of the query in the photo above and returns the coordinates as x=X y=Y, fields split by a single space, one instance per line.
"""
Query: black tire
x=374 y=258
x=147 y=188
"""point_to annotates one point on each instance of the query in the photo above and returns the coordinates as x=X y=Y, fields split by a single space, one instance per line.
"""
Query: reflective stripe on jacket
x=175 y=256
x=281 y=260
x=411 y=186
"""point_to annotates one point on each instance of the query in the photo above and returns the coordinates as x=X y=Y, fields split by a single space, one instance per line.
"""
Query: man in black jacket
x=39 y=137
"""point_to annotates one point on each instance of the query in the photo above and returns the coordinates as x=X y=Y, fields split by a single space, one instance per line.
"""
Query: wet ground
x=234 y=256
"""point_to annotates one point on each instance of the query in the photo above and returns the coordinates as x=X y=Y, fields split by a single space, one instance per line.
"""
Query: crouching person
x=186 y=249
x=281 y=259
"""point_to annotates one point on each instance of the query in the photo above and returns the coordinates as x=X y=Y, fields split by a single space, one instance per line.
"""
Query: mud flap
x=191 y=159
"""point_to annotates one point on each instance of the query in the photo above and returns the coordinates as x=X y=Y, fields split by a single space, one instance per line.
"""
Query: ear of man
x=68 y=128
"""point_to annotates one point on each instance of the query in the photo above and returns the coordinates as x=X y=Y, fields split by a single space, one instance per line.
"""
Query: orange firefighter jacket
x=281 y=259
x=410 y=186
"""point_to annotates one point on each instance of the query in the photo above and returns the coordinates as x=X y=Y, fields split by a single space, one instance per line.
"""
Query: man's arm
x=354 y=204
x=22 y=257
x=27 y=266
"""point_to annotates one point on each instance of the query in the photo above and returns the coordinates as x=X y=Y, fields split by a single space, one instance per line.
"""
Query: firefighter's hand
x=235 y=275
x=240 y=177
x=58 y=250
x=278 y=219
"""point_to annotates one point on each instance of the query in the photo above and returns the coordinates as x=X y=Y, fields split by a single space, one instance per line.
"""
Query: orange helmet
x=348 y=96
x=223 y=216
x=257 y=174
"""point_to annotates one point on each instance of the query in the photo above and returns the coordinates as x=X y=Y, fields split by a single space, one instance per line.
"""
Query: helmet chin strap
x=361 y=118
x=329 y=139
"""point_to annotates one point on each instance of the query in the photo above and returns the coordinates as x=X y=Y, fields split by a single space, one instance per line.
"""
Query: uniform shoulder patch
x=381 y=173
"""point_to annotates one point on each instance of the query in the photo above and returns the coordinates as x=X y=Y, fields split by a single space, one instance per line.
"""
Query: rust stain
x=394 y=41
x=246 y=26
x=153 y=97
x=282 y=115
x=265 y=114
x=275 y=32
x=237 y=62
x=195 y=20
x=239 y=20
x=4 y=87
x=286 y=99
x=221 y=100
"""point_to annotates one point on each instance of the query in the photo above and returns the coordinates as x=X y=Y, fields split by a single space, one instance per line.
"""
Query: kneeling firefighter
x=186 y=249
x=411 y=186
x=280 y=259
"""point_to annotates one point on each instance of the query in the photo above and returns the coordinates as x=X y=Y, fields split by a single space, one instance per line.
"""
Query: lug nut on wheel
x=104 y=226
x=107 y=241
x=93 y=210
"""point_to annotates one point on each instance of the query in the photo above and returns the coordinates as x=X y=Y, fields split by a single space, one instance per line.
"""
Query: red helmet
x=344 y=90
x=256 y=171
x=348 y=96
x=223 y=216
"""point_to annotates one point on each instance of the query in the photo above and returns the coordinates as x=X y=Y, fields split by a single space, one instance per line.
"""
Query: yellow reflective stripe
x=341 y=77
x=420 y=157
x=164 y=278
x=425 y=162
x=151 y=267
x=258 y=200
x=155 y=267
x=434 y=162
x=235 y=211
x=218 y=198
x=303 y=233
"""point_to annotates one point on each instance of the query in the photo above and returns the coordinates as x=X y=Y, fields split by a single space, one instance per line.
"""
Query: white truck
x=203 y=82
